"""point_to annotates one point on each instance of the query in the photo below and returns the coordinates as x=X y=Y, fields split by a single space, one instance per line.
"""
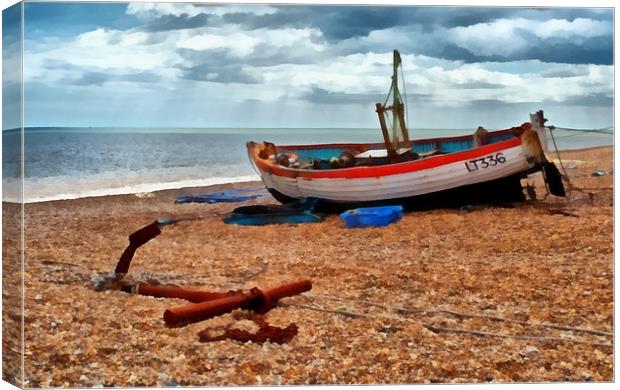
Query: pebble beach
x=517 y=293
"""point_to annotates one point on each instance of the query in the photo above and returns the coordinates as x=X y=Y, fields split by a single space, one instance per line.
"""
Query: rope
x=569 y=136
x=388 y=95
x=436 y=329
x=557 y=152
x=571 y=187
x=604 y=130
x=402 y=76
x=439 y=310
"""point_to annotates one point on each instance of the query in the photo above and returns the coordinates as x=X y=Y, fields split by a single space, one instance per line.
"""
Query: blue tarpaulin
x=240 y=195
x=297 y=212
x=372 y=216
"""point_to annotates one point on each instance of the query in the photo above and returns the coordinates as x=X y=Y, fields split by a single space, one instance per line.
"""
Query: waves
x=63 y=188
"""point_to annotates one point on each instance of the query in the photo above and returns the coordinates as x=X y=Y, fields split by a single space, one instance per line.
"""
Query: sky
x=204 y=65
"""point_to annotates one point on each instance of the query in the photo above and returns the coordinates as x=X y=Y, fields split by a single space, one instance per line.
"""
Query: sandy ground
x=515 y=294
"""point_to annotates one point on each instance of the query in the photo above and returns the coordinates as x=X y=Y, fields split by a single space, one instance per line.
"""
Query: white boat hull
x=402 y=185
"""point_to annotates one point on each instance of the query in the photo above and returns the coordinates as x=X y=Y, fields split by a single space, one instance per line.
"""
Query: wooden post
x=541 y=118
x=386 y=136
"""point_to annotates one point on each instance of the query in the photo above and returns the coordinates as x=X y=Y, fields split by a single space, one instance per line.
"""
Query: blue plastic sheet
x=372 y=216
x=240 y=195
x=296 y=212
x=272 y=218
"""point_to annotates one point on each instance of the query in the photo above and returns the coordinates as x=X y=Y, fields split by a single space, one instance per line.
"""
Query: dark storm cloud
x=339 y=23
x=172 y=22
x=419 y=24
x=466 y=16
x=595 y=50
x=452 y=52
x=342 y=22
x=335 y=22
x=222 y=60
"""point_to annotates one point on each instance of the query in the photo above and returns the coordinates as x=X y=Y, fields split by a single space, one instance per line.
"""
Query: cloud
x=180 y=22
x=480 y=84
x=92 y=78
x=293 y=62
x=565 y=72
x=345 y=22
x=323 y=96
x=231 y=55
x=99 y=78
x=150 y=11
x=176 y=16
x=221 y=74
x=502 y=40
x=590 y=100
x=471 y=34
x=595 y=50
x=114 y=51
x=339 y=57
x=255 y=45
x=579 y=27
x=556 y=40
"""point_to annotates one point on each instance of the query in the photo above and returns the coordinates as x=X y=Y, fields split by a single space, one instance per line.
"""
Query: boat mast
x=399 y=105
x=398 y=115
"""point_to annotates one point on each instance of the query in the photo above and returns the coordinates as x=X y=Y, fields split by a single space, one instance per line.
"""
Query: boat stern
x=534 y=143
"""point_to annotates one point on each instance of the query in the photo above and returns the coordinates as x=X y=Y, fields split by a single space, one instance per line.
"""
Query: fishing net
x=394 y=109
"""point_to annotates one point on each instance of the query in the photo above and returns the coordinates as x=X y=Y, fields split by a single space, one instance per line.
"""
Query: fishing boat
x=482 y=167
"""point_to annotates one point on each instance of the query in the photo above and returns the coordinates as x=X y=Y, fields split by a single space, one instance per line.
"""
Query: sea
x=69 y=163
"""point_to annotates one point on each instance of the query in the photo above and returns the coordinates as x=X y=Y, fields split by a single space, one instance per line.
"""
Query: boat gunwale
x=380 y=143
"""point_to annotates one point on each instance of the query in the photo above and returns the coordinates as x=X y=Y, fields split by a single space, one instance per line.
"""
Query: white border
x=482 y=3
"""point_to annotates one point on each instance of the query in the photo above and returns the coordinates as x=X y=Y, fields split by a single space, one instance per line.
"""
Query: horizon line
x=219 y=128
